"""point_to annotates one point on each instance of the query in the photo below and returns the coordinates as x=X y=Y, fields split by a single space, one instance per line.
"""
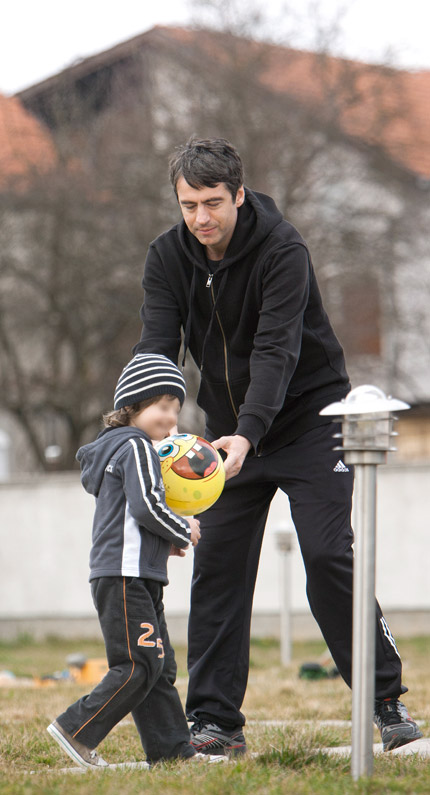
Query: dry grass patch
x=288 y=761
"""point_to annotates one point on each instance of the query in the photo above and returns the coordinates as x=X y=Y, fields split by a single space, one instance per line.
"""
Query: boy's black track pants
x=226 y=563
x=141 y=676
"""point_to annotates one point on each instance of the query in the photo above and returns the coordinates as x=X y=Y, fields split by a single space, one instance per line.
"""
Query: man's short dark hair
x=206 y=162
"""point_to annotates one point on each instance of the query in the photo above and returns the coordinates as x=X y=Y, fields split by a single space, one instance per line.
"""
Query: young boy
x=133 y=534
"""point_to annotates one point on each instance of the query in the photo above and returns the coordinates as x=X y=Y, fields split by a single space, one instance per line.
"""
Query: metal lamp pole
x=367 y=429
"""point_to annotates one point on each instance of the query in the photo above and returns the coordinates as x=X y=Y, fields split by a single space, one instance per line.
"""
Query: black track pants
x=226 y=563
x=141 y=676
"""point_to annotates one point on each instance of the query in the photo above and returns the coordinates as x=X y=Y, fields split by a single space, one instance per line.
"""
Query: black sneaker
x=208 y=738
x=395 y=724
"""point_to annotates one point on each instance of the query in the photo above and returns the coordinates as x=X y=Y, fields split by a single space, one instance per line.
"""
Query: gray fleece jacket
x=133 y=528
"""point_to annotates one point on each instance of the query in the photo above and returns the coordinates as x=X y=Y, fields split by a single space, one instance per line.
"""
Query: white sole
x=70 y=751
x=209 y=759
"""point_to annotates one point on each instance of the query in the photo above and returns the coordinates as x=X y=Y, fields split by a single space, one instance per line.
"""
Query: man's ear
x=240 y=196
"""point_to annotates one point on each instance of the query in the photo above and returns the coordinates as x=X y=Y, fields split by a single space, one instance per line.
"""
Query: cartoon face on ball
x=188 y=456
x=193 y=473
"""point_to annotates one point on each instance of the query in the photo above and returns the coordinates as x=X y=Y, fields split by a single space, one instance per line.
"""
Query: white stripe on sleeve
x=162 y=509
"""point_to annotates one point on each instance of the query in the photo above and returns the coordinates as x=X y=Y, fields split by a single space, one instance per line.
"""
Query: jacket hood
x=95 y=456
x=257 y=216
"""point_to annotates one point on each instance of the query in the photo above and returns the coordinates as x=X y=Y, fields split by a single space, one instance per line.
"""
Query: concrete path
x=419 y=747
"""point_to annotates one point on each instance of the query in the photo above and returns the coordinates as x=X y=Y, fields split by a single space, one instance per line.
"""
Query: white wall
x=45 y=532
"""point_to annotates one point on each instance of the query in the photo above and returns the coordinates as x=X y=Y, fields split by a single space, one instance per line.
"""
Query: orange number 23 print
x=149 y=630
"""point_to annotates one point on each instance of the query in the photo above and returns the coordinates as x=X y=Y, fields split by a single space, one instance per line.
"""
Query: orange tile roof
x=381 y=106
x=25 y=146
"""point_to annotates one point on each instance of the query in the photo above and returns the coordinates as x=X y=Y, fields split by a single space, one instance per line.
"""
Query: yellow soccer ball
x=193 y=473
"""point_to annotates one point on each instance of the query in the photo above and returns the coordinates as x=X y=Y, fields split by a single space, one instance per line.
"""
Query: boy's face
x=159 y=418
x=210 y=214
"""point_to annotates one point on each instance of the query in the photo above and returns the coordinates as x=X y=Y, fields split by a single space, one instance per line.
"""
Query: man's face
x=210 y=214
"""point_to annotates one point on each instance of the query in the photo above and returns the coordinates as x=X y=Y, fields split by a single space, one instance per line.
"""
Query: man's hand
x=237 y=448
x=195 y=530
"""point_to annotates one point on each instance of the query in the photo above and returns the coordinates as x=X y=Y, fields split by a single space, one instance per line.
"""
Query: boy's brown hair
x=122 y=417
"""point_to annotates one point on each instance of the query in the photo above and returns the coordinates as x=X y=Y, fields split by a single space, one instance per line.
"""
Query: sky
x=39 y=39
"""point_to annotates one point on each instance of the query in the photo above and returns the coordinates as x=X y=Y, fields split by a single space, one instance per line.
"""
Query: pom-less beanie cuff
x=148 y=375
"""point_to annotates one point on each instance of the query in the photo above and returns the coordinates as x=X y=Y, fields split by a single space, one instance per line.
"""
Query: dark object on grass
x=313 y=670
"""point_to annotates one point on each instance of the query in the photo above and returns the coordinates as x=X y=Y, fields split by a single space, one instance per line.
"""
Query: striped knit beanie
x=148 y=375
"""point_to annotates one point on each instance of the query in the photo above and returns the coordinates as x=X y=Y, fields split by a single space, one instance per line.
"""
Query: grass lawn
x=288 y=760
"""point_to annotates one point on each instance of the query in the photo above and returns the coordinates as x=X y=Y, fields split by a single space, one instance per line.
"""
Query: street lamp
x=367 y=431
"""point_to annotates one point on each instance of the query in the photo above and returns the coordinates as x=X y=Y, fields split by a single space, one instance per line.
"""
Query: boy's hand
x=177 y=551
x=195 y=530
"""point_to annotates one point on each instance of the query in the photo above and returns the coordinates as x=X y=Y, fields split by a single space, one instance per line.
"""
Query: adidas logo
x=340 y=467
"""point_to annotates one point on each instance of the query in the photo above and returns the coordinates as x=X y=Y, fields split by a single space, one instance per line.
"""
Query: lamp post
x=367 y=431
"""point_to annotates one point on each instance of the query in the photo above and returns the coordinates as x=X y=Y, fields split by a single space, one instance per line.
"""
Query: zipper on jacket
x=209 y=281
x=225 y=350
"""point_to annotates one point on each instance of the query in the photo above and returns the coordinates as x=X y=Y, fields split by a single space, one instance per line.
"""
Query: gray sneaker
x=80 y=754
x=395 y=724
x=209 y=738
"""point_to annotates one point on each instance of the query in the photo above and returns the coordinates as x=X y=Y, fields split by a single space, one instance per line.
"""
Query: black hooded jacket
x=133 y=528
x=256 y=327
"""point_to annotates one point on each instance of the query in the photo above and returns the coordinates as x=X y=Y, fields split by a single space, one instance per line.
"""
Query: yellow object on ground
x=90 y=672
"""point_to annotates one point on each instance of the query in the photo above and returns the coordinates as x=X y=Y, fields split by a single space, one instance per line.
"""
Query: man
x=238 y=280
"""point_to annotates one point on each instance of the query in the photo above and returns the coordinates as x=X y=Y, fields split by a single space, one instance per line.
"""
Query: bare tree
x=73 y=243
x=67 y=292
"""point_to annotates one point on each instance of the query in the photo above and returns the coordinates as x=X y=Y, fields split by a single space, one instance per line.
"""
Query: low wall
x=403 y=624
x=45 y=536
